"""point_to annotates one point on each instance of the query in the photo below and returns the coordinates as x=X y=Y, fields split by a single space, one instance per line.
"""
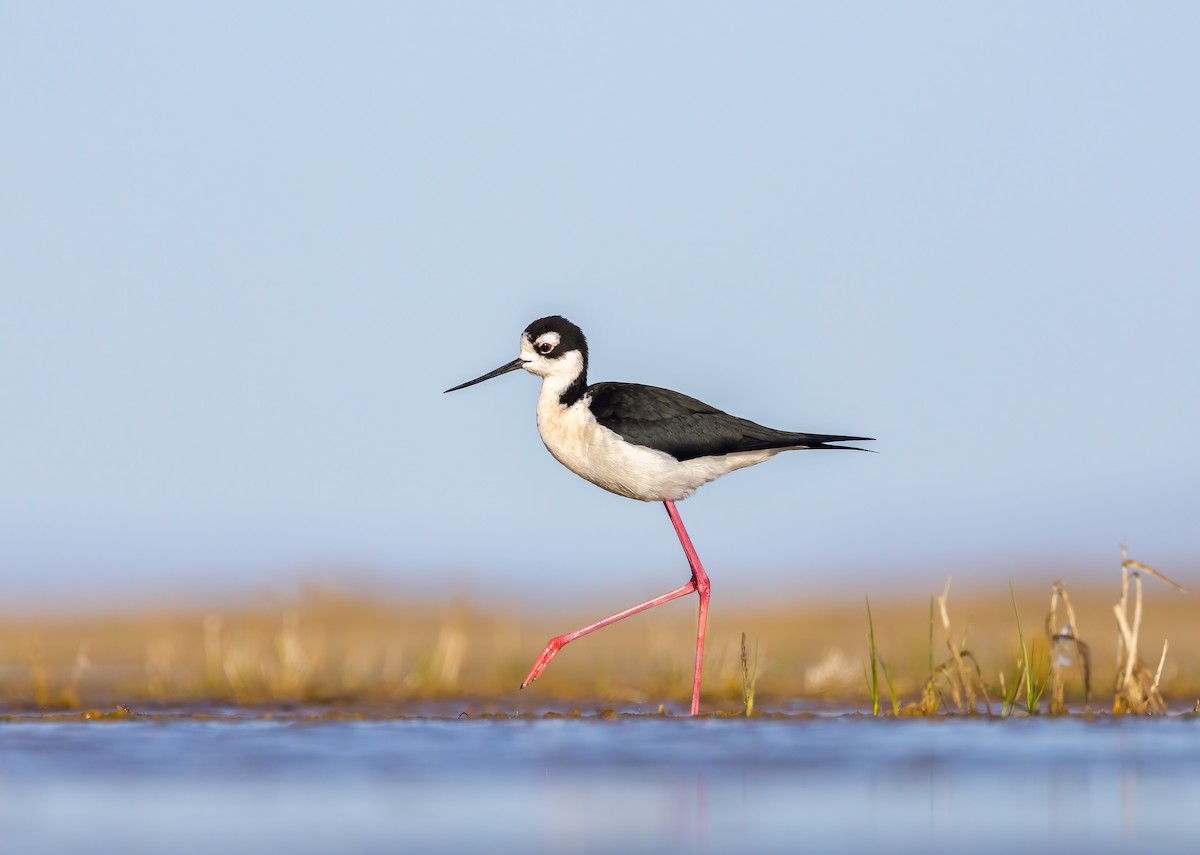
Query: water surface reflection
x=838 y=784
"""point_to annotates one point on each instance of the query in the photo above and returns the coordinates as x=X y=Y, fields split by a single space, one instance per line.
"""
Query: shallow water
x=630 y=784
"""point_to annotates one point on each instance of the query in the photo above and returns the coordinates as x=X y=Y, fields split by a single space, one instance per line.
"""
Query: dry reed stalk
x=441 y=670
x=391 y=671
x=965 y=684
x=238 y=662
x=1066 y=647
x=359 y=667
x=70 y=695
x=39 y=674
x=1134 y=689
x=158 y=666
x=749 y=677
x=1161 y=661
x=214 y=675
x=295 y=667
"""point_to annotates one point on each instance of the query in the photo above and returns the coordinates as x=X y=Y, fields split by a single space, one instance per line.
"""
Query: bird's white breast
x=600 y=455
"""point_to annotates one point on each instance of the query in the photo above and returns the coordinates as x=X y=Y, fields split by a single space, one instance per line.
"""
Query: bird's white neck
x=569 y=372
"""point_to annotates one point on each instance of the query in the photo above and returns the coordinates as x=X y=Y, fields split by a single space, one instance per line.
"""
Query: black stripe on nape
x=575 y=391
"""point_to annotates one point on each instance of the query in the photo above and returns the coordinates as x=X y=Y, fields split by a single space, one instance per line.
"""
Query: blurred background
x=245 y=248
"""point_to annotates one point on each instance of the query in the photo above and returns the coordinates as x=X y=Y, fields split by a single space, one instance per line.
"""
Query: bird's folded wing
x=686 y=428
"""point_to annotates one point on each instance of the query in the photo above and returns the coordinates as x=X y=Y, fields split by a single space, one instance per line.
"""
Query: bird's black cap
x=570 y=337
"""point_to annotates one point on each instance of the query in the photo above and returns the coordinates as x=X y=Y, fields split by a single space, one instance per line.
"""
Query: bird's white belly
x=596 y=453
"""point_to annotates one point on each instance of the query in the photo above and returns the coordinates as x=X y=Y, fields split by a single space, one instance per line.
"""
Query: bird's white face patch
x=546 y=343
x=543 y=358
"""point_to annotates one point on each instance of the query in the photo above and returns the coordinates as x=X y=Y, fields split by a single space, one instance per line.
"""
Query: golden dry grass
x=325 y=648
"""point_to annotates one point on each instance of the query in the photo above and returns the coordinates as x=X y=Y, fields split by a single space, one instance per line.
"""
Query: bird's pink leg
x=699 y=583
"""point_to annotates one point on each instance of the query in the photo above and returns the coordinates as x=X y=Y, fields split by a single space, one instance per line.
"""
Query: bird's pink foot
x=544 y=659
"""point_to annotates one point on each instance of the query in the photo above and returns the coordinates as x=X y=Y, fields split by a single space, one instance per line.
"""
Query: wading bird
x=639 y=441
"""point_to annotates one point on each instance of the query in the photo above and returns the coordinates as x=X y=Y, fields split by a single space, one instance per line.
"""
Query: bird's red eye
x=545 y=347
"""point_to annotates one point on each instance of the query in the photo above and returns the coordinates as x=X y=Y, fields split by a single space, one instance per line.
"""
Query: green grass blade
x=1030 y=697
x=873 y=683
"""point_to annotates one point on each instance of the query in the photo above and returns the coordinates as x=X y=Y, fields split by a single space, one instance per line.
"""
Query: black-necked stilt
x=639 y=441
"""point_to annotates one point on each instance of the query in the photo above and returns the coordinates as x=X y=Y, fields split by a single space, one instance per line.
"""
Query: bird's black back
x=686 y=428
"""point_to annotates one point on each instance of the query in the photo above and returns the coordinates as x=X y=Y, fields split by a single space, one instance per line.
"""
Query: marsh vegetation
x=994 y=651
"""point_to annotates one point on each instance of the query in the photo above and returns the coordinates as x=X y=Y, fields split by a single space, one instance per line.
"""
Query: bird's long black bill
x=503 y=369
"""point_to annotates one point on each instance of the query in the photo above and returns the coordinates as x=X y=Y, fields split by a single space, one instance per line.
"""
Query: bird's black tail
x=820 y=440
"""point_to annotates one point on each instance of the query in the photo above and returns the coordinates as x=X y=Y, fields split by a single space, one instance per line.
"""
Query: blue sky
x=245 y=249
